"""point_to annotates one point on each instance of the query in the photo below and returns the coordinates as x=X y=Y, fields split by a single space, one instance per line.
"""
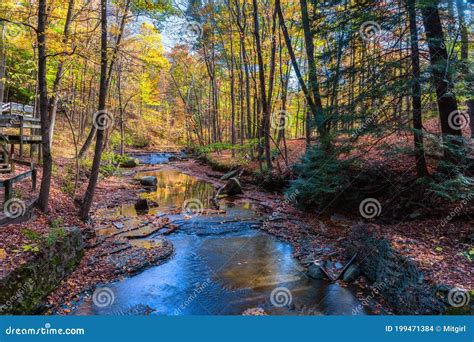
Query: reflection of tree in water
x=174 y=188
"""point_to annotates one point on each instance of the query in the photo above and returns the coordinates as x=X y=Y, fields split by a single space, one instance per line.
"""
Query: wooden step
x=6 y=170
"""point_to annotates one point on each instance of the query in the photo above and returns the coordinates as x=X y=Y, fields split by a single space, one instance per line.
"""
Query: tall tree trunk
x=101 y=118
x=122 y=111
x=470 y=108
x=3 y=62
x=442 y=80
x=53 y=102
x=113 y=58
x=422 y=169
x=463 y=30
x=43 y=200
x=232 y=89
x=265 y=131
x=312 y=106
x=312 y=71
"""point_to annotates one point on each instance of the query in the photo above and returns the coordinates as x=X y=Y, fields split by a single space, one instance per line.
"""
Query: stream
x=223 y=264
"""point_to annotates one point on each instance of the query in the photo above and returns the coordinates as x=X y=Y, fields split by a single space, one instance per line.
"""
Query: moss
x=26 y=286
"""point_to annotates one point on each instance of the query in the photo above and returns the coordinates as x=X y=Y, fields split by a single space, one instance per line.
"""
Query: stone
x=254 y=312
x=130 y=163
x=149 y=181
x=142 y=205
x=351 y=274
x=397 y=276
x=24 y=289
x=118 y=225
x=232 y=188
x=229 y=175
x=315 y=271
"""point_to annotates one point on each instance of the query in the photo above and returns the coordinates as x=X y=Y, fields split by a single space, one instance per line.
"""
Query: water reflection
x=222 y=265
x=174 y=188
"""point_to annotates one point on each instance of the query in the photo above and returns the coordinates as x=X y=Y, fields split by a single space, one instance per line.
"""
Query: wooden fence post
x=8 y=190
x=33 y=178
x=21 y=136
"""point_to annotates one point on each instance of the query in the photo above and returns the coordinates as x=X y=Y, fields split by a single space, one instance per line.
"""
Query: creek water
x=223 y=265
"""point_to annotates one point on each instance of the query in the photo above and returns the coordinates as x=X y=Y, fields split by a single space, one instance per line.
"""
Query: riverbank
x=431 y=249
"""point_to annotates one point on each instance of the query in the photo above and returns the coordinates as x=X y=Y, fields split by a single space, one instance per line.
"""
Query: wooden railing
x=7 y=184
x=21 y=123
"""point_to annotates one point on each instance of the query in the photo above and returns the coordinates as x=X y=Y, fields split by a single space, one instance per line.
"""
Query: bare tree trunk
x=442 y=80
x=122 y=111
x=102 y=119
x=470 y=106
x=232 y=88
x=53 y=102
x=464 y=32
x=313 y=75
x=3 y=61
x=422 y=169
x=263 y=93
x=312 y=106
x=43 y=200
x=113 y=58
